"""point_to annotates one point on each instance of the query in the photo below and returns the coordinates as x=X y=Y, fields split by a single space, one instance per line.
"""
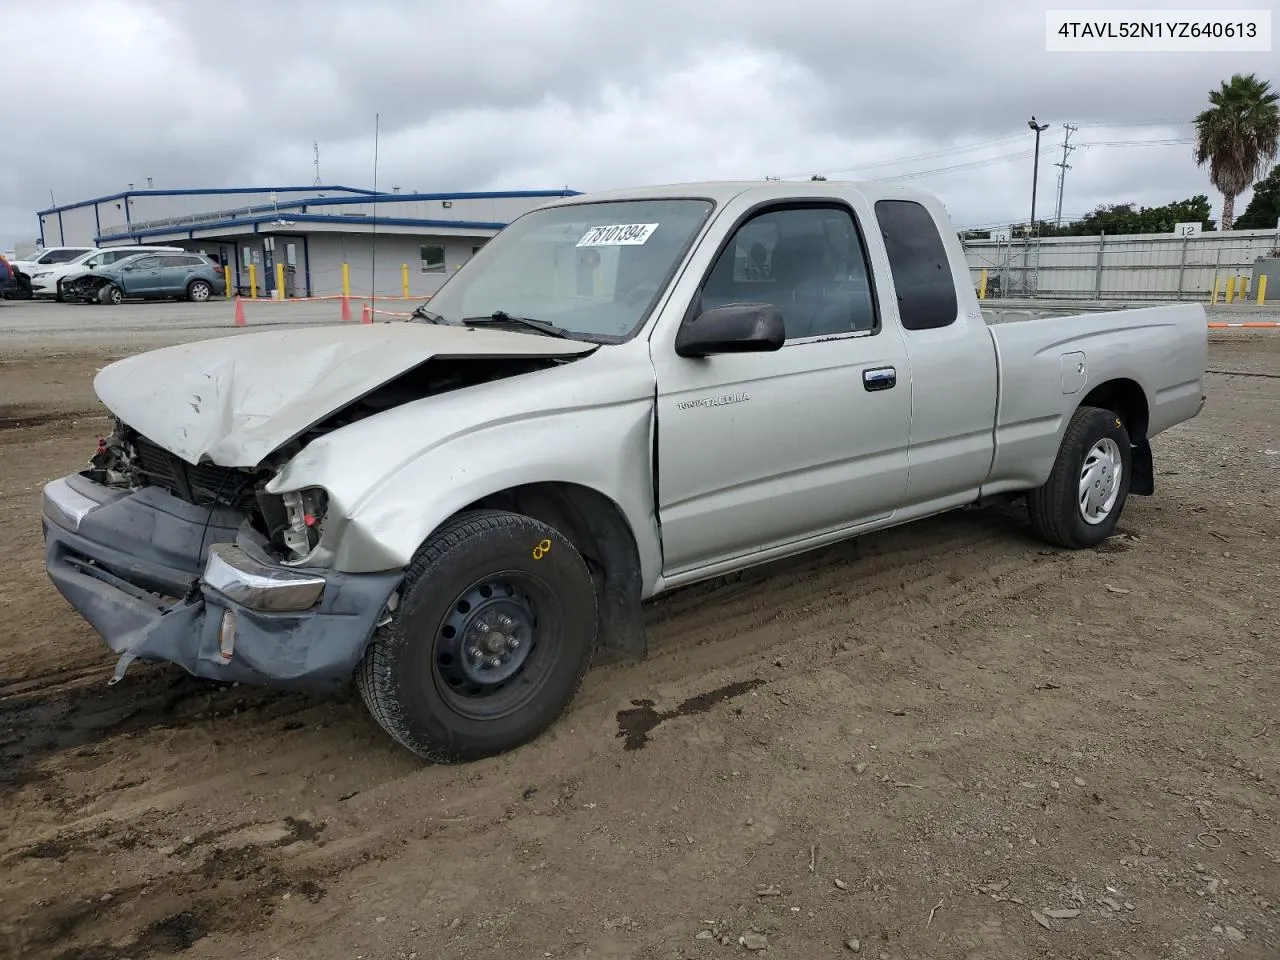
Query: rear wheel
x=198 y=291
x=491 y=642
x=1081 y=502
x=111 y=294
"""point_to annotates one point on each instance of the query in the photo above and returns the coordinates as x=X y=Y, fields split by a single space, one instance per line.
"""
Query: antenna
x=315 y=149
x=373 y=237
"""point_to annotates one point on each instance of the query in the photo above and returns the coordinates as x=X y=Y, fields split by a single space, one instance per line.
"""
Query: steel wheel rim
x=199 y=291
x=494 y=647
x=1100 y=476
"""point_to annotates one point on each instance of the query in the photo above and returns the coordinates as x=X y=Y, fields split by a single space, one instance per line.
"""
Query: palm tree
x=1237 y=136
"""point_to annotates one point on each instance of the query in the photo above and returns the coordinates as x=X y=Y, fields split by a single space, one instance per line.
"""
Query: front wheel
x=111 y=294
x=1081 y=502
x=491 y=641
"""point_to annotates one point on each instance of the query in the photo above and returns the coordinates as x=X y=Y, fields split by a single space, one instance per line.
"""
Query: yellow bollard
x=279 y=281
x=226 y=275
x=982 y=286
x=1262 y=289
x=404 y=279
x=253 y=280
x=1244 y=288
x=1213 y=297
x=346 y=279
x=1231 y=289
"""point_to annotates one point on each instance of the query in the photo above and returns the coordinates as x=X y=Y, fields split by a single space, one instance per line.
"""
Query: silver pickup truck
x=620 y=394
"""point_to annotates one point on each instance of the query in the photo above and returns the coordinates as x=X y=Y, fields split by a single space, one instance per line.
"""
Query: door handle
x=881 y=378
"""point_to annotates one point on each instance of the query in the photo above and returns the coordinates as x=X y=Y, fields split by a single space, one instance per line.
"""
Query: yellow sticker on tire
x=542 y=549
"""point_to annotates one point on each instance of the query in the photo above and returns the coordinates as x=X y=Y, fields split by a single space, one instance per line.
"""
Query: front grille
x=202 y=485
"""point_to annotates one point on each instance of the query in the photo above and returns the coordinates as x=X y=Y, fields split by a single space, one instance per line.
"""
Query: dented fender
x=393 y=478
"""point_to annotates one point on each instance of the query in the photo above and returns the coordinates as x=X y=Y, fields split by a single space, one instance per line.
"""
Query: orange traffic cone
x=346 y=309
x=366 y=315
x=239 y=312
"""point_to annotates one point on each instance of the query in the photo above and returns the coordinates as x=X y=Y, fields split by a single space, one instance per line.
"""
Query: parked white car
x=50 y=257
x=46 y=281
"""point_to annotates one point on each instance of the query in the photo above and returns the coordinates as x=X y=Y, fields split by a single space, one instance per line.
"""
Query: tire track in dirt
x=690 y=643
x=866 y=626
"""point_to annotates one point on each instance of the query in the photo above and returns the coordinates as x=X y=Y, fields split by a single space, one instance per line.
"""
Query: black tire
x=417 y=678
x=22 y=289
x=111 y=294
x=198 y=291
x=1056 y=509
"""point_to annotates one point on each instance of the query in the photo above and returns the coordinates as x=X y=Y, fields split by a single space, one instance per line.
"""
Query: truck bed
x=1048 y=366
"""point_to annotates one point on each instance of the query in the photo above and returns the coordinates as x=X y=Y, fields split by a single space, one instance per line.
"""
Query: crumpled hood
x=235 y=399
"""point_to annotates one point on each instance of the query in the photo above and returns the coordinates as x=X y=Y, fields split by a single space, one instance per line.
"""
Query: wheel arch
x=1128 y=400
x=599 y=530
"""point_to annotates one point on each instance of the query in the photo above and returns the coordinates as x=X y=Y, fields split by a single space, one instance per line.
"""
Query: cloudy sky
x=590 y=94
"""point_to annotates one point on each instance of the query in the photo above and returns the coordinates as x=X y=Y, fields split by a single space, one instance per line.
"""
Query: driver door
x=142 y=276
x=757 y=451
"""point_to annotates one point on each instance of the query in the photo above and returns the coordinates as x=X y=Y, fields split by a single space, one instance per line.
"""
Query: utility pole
x=1035 y=178
x=1063 y=167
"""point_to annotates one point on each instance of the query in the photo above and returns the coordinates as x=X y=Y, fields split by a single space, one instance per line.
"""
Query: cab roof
x=722 y=191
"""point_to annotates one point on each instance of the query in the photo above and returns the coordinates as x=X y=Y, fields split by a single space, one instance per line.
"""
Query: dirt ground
x=946 y=741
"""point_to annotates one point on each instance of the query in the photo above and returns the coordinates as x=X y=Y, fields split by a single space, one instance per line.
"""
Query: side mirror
x=732 y=328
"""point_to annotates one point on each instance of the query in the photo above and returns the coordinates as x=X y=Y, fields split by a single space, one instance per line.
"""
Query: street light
x=1035 y=176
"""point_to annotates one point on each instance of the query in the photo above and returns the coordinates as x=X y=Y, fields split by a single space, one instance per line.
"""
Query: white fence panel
x=1130 y=267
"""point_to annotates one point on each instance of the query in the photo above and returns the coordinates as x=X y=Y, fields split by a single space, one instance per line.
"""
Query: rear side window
x=918 y=260
x=62 y=256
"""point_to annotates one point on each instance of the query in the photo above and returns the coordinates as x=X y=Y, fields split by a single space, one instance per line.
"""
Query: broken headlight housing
x=304 y=520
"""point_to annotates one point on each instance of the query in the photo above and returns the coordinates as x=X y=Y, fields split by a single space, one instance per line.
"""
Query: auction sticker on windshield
x=618 y=235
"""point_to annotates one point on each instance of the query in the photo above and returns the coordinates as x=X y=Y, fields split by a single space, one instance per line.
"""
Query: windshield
x=592 y=269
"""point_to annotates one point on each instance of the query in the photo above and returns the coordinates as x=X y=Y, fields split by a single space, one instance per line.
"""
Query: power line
x=1005 y=158
x=1095 y=124
x=958 y=167
x=934 y=155
x=1139 y=143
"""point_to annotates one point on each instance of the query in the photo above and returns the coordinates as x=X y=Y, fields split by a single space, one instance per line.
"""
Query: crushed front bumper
x=161 y=579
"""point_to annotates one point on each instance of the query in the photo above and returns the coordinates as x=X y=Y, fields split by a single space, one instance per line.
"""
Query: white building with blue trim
x=313 y=231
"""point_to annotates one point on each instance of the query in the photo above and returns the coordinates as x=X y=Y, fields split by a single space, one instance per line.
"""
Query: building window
x=432 y=257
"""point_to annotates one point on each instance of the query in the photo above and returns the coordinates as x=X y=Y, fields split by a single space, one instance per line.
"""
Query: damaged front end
x=84 y=288
x=175 y=544
x=190 y=564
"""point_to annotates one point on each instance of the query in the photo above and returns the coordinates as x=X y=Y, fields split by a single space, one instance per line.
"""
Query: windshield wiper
x=501 y=316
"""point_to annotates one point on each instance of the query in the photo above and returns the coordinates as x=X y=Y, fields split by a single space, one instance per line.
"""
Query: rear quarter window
x=922 y=276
